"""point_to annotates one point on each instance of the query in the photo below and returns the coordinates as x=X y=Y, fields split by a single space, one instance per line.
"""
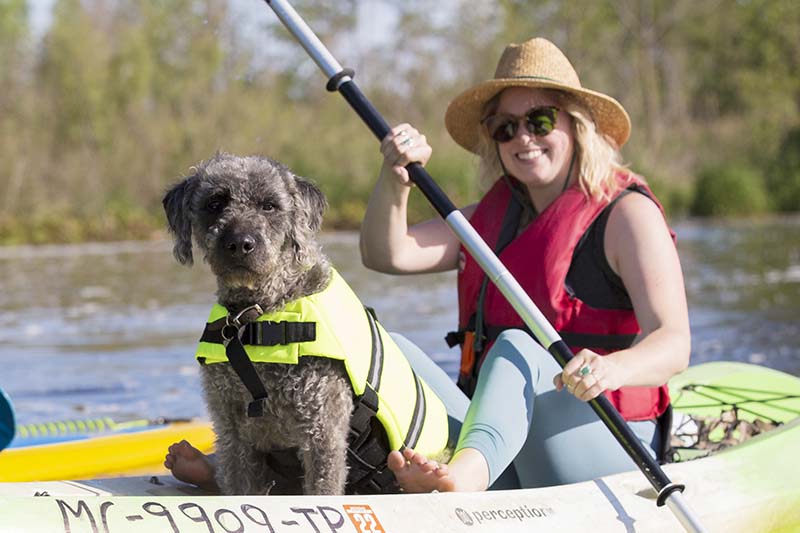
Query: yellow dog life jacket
x=409 y=411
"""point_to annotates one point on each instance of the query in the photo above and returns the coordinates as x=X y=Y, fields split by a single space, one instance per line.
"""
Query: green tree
x=729 y=190
x=13 y=38
x=744 y=89
x=783 y=179
x=121 y=97
x=74 y=74
x=14 y=101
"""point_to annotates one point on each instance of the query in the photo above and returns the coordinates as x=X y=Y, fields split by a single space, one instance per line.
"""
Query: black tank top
x=590 y=277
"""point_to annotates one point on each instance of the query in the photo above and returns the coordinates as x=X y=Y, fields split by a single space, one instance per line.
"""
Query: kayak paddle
x=341 y=80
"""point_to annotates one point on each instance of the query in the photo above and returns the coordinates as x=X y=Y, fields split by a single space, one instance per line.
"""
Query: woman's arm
x=387 y=243
x=640 y=250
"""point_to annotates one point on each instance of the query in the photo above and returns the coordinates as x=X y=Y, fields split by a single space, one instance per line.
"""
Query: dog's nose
x=241 y=244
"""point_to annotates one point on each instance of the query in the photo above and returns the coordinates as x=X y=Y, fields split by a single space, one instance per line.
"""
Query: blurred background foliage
x=117 y=99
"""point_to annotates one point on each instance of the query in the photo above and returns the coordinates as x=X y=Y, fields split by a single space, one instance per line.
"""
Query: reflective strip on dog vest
x=376 y=358
x=419 y=415
x=409 y=411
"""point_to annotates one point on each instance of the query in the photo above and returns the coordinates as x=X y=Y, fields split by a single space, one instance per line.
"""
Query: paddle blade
x=7 y=423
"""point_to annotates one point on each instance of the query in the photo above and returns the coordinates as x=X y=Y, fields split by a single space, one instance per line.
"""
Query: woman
x=586 y=239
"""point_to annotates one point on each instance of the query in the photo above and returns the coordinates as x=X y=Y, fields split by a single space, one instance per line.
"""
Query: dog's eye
x=215 y=205
x=268 y=206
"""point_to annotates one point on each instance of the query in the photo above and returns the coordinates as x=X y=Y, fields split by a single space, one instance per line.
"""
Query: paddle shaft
x=341 y=80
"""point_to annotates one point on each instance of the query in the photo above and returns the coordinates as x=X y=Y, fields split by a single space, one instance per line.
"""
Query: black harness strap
x=587 y=340
x=244 y=368
x=265 y=333
x=368 y=445
x=508 y=230
x=591 y=340
x=370 y=397
x=258 y=333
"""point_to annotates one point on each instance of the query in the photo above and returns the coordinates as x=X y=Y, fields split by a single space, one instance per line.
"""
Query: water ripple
x=111 y=329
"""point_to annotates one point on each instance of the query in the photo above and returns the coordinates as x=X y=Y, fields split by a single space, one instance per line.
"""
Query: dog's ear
x=176 y=206
x=311 y=203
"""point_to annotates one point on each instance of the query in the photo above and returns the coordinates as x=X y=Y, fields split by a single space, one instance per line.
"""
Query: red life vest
x=539 y=258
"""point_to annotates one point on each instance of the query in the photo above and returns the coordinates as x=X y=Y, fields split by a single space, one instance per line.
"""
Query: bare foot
x=415 y=473
x=190 y=465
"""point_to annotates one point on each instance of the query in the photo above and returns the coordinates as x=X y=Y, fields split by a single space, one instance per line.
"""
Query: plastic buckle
x=255 y=409
x=272 y=333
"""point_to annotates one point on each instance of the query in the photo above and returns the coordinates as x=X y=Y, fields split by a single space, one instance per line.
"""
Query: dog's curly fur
x=255 y=223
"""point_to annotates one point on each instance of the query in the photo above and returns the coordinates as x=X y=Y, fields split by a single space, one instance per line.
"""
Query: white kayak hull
x=752 y=487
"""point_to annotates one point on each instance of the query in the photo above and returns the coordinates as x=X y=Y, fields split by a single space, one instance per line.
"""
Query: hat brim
x=463 y=115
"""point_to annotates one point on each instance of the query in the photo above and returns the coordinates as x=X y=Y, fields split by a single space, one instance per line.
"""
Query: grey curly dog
x=255 y=223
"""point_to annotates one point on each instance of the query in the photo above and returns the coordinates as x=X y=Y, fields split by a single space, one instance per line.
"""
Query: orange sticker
x=364 y=519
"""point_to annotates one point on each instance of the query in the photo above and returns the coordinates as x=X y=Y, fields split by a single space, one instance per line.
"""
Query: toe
x=395 y=461
x=419 y=460
x=429 y=466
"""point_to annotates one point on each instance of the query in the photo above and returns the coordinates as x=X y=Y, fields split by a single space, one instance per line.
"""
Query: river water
x=110 y=329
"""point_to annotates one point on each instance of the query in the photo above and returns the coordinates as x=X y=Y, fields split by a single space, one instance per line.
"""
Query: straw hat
x=536 y=63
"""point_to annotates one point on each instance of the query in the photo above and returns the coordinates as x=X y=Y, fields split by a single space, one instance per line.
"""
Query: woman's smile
x=531 y=154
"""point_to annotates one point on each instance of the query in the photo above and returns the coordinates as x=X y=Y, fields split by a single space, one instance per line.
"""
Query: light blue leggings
x=527 y=431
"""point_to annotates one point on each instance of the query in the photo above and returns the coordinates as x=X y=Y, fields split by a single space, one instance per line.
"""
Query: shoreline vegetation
x=116 y=99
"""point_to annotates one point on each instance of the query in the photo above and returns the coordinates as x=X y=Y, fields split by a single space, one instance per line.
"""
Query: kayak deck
x=719 y=404
x=754 y=486
x=729 y=491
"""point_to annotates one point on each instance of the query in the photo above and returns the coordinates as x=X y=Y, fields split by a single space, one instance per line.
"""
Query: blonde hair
x=597 y=157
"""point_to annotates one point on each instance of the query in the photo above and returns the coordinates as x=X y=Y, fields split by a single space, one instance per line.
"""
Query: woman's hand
x=587 y=375
x=402 y=146
x=387 y=243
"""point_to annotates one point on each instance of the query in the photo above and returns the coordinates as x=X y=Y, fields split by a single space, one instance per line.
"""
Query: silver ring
x=407 y=140
x=585 y=370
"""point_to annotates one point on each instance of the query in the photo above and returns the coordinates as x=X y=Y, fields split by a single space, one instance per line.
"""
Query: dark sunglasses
x=539 y=121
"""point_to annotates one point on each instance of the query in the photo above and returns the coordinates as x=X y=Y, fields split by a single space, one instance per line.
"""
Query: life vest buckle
x=271 y=333
x=255 y=409
x=237 y=320
x=234 y=324
x=454 y=338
